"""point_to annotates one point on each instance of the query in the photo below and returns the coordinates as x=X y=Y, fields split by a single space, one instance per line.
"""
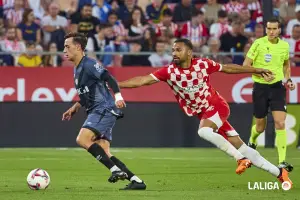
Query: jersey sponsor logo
x=193 y=88
x=83 y=90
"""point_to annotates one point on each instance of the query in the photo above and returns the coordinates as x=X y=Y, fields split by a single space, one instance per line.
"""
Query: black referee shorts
x=268 y=96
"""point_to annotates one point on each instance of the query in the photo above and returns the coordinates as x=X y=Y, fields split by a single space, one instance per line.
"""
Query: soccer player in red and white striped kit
x=188 y=77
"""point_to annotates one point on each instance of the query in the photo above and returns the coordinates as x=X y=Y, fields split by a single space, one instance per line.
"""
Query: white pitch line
x=131 y=158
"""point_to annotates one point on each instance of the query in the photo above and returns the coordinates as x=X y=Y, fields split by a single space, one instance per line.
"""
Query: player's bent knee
x=84 y=139
x=204 y=131
x=79 y=141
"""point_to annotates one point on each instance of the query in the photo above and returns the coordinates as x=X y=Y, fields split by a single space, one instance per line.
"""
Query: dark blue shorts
x=101 y=123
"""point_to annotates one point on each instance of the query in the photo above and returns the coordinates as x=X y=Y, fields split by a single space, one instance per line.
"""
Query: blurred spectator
x=1 y=9
x=54 y=26
x=183 y=11
x=249 y=24
x=119 y=30
x=220 y=27
x=102 y=42
x=125 y=11
x=195 y=30
x=294 y=43
x=30 y=59
x=167 y=30
x=286 y=10
x=84 y=22
x=292 y=22
x=233 y=6
x=160 y=58
x=1 y=15
x=40 y=7
x=154 y=10
x=258 y=33
x=8 y=4
x=53 y=60
x=255 y=8
x=82 y=3
x=101 y=10
x=135 y=60
x=214 y=45
x=114 y=5
x=210 y=9
x=11 y=44
x=234 y=42
x=276 y=5
x=28 y=30
x=136 y=25
x=69 y=7
x=5 y=59
x=149 y=40
x=14 y=15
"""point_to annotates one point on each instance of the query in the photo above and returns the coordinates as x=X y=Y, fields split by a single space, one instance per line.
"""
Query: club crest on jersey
x=98 y=67
x=268 y=57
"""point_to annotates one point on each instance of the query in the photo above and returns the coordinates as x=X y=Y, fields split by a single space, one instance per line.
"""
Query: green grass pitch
x=170 y=174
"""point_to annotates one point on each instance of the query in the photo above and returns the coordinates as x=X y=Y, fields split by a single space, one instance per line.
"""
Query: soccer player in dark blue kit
x=103 y=110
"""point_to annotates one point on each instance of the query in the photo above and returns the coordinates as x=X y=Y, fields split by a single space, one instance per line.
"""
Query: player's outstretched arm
x=138 y=82
x=237 y=69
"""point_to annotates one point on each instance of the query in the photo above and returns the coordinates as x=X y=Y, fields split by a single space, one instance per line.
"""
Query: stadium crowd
x=230 y=26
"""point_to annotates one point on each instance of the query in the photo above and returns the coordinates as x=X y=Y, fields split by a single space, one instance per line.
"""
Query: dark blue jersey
x=91 y=88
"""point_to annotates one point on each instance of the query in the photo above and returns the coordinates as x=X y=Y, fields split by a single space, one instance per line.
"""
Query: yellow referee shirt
x=269 y=56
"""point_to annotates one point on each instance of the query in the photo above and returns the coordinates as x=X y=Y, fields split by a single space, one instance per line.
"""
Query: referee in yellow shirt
x=270 y=52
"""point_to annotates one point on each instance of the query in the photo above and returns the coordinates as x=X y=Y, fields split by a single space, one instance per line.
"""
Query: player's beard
x=177 y=61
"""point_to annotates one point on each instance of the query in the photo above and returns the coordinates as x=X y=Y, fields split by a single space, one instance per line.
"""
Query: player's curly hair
x=78 y=38
x=186 y=42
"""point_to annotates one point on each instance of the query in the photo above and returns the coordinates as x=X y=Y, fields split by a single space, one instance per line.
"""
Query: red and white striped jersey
x=294 y=46
x=195 y=34
x=160 y=28
x=191 y=86
x=230 y=8
x=8 y=4
x=15 y=16
x=218 y=29
x=256 y=8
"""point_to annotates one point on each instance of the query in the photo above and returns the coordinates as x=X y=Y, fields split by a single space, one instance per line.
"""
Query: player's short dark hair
x=274 y=20
x=186 y=42
x=296 y=26
x=222 y=14
x=196 y=12
x=87 y=5
x=78 y=38
x=112 y=12
x=167 y=12
x=105 y=25
x=30 y=43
